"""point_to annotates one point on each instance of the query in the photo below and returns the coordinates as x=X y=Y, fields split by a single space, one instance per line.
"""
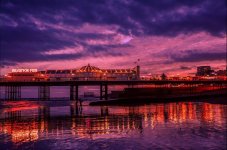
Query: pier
x=13 y=88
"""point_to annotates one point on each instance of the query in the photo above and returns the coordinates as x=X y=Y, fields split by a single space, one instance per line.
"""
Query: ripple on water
x=182 y=125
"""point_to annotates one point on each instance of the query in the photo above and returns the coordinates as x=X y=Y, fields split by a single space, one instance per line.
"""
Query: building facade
x=204 y=71
x=87 y=72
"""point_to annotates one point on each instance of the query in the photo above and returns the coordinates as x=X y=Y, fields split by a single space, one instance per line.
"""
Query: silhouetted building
x=204 y=71
x=221 y=73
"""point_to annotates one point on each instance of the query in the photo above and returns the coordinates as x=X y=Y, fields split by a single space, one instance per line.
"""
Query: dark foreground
x=214 y=99
x=67 y=125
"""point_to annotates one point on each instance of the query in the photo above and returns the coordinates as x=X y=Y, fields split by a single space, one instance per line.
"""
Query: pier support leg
x=44 y=92
x=71 y=92
x=74 y=92
x=12 y=92
x=101 y=91
x=77 y=92
x=104 y=91
x=76 y=109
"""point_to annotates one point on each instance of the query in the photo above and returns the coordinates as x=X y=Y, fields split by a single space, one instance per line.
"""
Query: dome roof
x=89 y=68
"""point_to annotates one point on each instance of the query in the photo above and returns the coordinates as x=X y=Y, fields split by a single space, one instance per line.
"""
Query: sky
x=167 y=36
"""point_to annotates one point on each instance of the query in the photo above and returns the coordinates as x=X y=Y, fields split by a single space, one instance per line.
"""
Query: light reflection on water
x=183 y=125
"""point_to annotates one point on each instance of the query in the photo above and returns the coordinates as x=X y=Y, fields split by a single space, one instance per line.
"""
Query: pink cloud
x=151 y=50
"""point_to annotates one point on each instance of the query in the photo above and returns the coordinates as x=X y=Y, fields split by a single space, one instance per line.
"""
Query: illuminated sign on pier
x=24 y=70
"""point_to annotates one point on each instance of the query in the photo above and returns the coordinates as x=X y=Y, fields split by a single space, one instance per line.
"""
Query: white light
x=24 y=70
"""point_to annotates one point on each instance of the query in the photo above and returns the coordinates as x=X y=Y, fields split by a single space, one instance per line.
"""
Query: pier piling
x=12 y=92
x=74 y=92
x=44 y=92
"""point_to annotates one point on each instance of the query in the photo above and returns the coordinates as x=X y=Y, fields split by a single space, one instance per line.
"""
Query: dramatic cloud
x=196 y=56
x=158 y=32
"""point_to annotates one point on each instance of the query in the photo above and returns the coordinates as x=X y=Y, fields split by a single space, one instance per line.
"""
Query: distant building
x=204 y=71
x=221 y=73
x=163 y=77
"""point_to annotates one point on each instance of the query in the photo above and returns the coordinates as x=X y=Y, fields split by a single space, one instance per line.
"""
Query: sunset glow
x=169 y=37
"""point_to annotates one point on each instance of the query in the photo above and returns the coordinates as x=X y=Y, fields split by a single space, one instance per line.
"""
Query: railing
x=111 y=80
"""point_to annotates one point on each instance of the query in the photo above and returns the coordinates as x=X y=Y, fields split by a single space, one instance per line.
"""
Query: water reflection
x=41 y=122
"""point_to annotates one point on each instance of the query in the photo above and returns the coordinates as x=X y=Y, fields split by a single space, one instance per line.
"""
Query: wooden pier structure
x=13 y=88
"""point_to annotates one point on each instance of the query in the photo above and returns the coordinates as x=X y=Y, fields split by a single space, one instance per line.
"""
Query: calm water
x=65 y=125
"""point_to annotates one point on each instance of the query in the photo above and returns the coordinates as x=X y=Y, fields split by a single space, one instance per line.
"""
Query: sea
x=60 y=124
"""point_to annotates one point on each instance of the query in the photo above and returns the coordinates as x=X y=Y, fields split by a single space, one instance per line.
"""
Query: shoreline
x=214 y=99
